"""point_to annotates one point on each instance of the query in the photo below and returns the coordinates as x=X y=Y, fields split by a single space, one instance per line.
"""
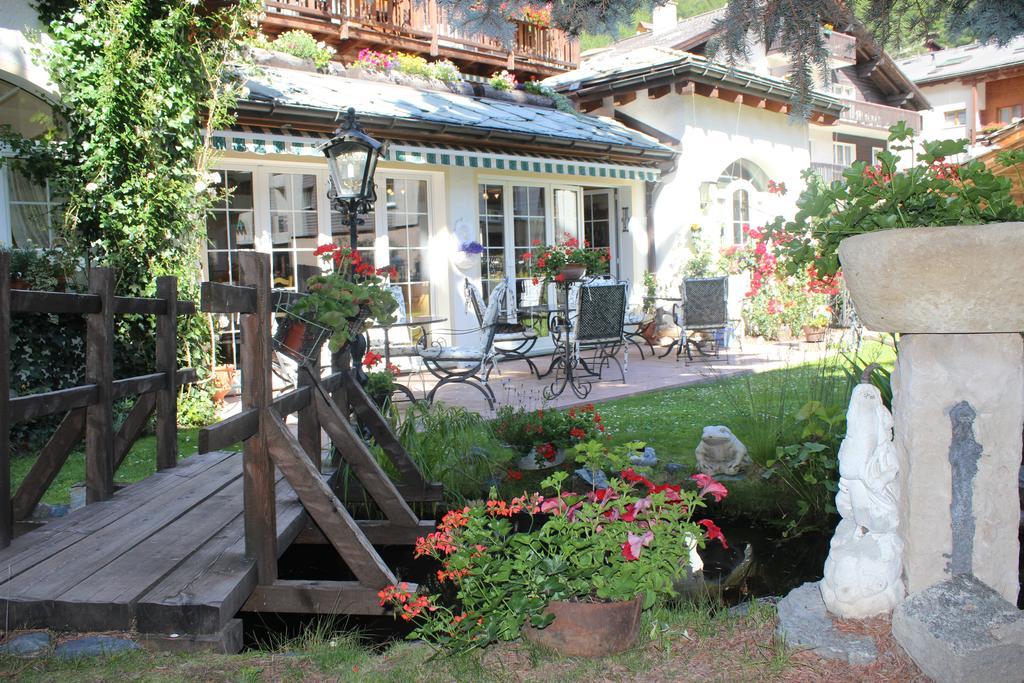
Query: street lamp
x=351 y=160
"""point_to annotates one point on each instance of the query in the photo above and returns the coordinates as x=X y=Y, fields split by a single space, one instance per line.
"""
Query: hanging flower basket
x=297 y=336
x=571 y=272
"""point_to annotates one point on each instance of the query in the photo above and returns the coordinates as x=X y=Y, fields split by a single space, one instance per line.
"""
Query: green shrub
x=298 y=44
x=561 y=102
x=196 y=407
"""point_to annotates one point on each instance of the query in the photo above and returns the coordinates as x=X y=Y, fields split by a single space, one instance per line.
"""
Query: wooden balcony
x=421 y=28
x=877 y=116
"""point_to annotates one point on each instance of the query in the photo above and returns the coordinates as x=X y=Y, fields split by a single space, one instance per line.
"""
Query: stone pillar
x=934 y=373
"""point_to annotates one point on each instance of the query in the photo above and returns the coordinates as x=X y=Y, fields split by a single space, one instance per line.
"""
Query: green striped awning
x=253 y=140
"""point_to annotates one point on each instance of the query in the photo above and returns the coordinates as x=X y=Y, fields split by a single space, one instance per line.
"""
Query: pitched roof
x=644 y=66
x=966 y=60
x=686 y=34
x=285 y=92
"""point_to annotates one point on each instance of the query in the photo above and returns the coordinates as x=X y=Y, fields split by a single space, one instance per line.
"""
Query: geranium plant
x=379 y=383
x=506 y=560
x=933 y=192
x=548 y=262
x=347 y=296
x=544 y=432
x=538 y=16
x=502 y=80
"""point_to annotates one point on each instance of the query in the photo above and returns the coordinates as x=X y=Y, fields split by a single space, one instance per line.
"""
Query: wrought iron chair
x=509 y=331
x=597 y=314
x=469 y=364
x=702 y=310
x=399 y=341
x=636 y=319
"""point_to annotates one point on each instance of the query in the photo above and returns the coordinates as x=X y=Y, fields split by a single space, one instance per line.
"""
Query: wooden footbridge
x=177 y=556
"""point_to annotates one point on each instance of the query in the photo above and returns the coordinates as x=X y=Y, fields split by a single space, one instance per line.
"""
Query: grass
x=138 y=464
x=682 y=642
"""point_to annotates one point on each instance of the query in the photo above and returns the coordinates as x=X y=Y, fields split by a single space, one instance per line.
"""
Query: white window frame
x=961 y=111
x=847 y=147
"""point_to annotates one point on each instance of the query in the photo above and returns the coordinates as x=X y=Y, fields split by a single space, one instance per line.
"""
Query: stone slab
x=94 y=646
x=962 y=631
x=805 y=623
x=27 y=644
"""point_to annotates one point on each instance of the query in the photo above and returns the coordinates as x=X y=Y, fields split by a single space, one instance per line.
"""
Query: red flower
x=536 y=281
x=577 y=433
x=325 y=249
x=371 y=359
x=515 y=475
x=536 y=242
x=634 y=544
x=713 y=532
x=632 y=477
x=708 y=485
x=528 y=256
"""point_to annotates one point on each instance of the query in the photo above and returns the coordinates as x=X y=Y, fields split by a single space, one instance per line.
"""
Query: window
x=26 y=114
x=955 y=117
x=366 y=233
x=294 y=231
x=229 y=228
x=408 y=231
x=844 y=90
x=843 y=153
x=32 y=211
x=740 y=215
x=1009 y=114
x=874 y=155
x=492 y=235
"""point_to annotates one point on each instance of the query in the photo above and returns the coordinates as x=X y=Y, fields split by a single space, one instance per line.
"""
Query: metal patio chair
x=636 y=319
x=597 y=314
x=518 y=338
x=469 y=364
x=702 y=311
x=400 y=341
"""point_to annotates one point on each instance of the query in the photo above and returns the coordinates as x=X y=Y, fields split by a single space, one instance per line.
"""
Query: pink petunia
x=634 y=544
x=708 y=485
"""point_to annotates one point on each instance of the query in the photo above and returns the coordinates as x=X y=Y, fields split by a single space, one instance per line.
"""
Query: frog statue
x=720 y=452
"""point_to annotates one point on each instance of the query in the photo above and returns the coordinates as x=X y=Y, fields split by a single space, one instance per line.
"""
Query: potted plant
x=223 y=378
x=816 y=325
x=914 y=242
x=565 y=262
x=542 y=437
x=467 y=256
x=344 y=298
x=569 y=571
x=380 y=384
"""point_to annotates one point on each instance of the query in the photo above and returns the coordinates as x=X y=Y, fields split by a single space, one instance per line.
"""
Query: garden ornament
x=720 y=452
x=863 y=572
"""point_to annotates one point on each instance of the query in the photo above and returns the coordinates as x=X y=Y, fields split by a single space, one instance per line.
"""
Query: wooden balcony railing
x=420 y=27
x=878 y=116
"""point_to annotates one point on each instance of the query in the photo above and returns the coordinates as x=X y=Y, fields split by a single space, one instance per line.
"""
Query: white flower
x=91 y=187
x=78 y=18
x=150 y=175
x=213 y=178
x=199 y=186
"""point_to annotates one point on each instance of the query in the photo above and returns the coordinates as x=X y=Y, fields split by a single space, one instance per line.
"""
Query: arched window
x=740 y=214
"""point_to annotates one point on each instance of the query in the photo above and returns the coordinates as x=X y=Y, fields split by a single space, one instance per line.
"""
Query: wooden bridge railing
x=89 y=407
x=321 y=403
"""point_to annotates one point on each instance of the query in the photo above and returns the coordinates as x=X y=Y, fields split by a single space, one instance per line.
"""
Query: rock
x=805 y=623
x=595 y=478
x=94 y=646
x=934 y=373
x=961 y=630
x=27 y=644
x=743 y=609
x=863 y=572
x=720 y=452
x=648 y=459
x=674 y=467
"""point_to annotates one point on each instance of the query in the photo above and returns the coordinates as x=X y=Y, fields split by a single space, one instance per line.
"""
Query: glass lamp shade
x=352 y=160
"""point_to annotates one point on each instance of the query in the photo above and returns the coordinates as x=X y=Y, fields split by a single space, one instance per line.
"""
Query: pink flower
x=708 y=485
x=634 y=543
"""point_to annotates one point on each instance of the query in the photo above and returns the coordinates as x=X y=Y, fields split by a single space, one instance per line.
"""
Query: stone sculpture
x=863 y=572
x=720 y=452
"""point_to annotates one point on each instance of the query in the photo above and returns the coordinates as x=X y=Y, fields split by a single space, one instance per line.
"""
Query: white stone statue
x=720 y=452
x=863 y=572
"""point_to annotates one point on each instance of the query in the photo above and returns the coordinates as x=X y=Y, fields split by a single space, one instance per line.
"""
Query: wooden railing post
x=99 y=370
x=6 y=513
x=309 y=422
x=259 y=498
x=167 y=363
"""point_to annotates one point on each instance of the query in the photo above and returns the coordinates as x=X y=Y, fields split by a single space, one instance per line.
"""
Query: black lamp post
x=352 y=160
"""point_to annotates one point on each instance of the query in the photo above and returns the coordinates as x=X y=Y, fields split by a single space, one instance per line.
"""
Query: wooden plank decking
x=163 y=556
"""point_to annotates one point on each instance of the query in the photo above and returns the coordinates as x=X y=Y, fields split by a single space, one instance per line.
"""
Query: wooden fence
x=89 y=407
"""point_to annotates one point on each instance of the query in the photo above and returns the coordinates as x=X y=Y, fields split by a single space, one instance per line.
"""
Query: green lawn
x=138 y=464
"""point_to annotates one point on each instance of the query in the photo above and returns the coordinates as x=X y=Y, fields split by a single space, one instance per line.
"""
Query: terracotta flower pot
x=957 y=279
x=573 y=271
x=293 y=338
x=588 y=629
x=813 y=334
x=223 y=376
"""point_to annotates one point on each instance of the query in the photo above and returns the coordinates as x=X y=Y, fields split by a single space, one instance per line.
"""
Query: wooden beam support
x=25 y=408
x=377 y=531
x=99 y=371
x=133 y=426
x=727 y=95
x=658 y=92
x=258 y=498
x=25 y=301
x=316 y=597
x=217 y=297
x=685 y=88
x=777 y=106
x=366 y=468
x=167 y=365
x=51 y=458
x=590 y=105
x=624 y=98
x=324 y=507
x=706 y=90
x=309 y=423
x=6 y=513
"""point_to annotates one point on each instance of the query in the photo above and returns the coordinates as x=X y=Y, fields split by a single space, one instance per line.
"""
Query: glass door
x=294 y=224
x=406 y=224
x=599 y=224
